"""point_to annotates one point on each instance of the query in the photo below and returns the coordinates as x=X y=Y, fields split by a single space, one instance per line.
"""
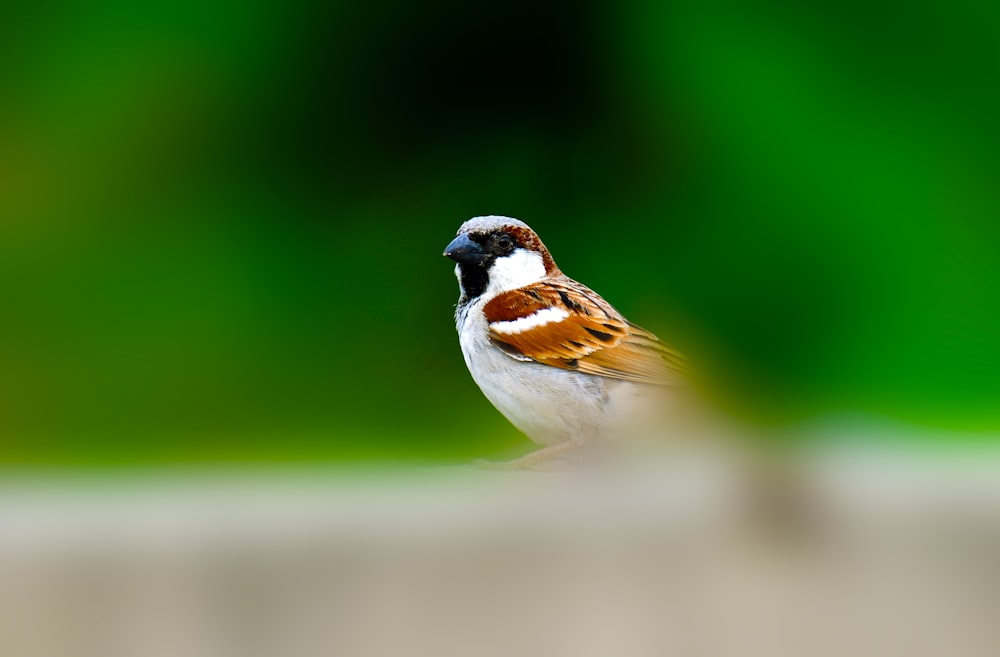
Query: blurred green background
x=221 y=223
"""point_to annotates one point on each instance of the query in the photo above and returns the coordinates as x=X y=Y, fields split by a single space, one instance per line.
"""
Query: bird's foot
x=541 y=459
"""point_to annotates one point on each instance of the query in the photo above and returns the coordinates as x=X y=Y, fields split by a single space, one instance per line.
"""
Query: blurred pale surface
x=874 y=556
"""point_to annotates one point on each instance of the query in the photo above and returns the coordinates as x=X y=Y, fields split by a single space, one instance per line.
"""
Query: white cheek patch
x=534 y=320
x=520 y=268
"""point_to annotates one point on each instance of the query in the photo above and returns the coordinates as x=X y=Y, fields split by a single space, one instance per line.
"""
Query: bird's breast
x=548 y=404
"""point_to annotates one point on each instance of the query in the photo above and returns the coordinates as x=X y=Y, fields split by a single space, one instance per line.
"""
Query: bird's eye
x=505 y=242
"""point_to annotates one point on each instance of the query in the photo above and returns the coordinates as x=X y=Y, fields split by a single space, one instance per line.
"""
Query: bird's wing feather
x=562 y=323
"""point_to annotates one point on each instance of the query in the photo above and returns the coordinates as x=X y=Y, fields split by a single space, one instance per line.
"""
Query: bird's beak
x=464 y=251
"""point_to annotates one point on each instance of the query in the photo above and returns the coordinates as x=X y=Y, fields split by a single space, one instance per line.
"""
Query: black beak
x=464 y=251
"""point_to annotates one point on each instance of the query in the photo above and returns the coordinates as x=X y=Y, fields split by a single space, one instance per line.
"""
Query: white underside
x=548 y=404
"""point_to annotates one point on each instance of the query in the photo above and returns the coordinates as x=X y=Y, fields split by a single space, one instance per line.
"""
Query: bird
x=557 y=360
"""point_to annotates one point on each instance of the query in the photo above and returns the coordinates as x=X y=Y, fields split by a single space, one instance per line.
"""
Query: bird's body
x=550 y=354
x=534 y=397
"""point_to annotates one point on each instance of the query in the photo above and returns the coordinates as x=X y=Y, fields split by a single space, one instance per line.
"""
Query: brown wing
x=562 y=323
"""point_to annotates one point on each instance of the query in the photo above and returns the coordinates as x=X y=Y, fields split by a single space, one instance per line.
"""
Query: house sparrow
x=551 y=355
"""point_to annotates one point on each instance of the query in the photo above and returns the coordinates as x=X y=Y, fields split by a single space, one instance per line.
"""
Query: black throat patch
x=474 y=280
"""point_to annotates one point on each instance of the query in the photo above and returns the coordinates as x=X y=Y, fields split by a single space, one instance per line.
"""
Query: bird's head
x=498 y=254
